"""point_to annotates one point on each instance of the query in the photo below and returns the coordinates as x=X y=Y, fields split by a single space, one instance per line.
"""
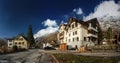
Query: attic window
x=21 y=39
x=75 y=24
x=69 y=34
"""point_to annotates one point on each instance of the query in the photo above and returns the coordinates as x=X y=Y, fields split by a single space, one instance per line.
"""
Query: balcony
x=91 y=28
x=92 y=35
x=61 y=37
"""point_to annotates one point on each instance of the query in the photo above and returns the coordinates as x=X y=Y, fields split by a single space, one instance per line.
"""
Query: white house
x=77 y=33
x=46 y=45
x=10 y=43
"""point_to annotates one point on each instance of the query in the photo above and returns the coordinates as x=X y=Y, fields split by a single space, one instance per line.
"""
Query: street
x=42 y=56
x=30 y=56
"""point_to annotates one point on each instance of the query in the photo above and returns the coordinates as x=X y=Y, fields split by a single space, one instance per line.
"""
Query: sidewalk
x=101 y=54
x=45 y=58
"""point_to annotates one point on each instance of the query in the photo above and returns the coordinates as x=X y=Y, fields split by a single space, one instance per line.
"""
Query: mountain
x=50 y=38
x=113 y=22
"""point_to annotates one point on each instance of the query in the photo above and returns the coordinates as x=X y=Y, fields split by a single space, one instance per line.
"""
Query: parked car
x=49 y=48
x=72 y=49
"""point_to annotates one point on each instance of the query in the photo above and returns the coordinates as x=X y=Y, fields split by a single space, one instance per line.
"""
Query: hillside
x=113 y=22
x=50 y=38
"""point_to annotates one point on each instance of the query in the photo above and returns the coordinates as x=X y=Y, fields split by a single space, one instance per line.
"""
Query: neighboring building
x=77 y=33
x=46 y=45
x=116 y=37
x=10 y=43
x=21 y=42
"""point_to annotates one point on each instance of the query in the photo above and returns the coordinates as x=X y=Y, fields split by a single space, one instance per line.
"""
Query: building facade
x=77 y=33
x=21 y=42
x=10 y=43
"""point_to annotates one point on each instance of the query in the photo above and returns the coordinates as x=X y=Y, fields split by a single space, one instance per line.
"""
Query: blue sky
x=16 y=15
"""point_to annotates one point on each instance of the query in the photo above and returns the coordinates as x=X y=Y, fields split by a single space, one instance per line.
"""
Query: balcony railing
x=92 y=29
x=61 y=37
x=92 y=35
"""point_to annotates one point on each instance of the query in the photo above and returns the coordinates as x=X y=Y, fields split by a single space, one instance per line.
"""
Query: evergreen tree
x=109 y=35
x=30 y=36
x=100 y=35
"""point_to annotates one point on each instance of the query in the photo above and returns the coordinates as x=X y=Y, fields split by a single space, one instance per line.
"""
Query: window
x=73 y=39
x=72 y=26
x=15 y=42
x=73 y=33
x=84 y=38
x=89 y=39
x=75 y=24
x=69 y=40
x=21 y=39
x=76 y=32
x=69 y=34
x=19 y=42
x=22 y=42
x=10 y=44
x=19 y=46
x=77 y=38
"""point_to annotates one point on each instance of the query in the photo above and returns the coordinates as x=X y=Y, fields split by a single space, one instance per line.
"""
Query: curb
x=53 y=59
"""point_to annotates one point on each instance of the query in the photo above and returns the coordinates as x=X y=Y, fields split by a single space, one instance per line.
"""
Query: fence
x=104 y=48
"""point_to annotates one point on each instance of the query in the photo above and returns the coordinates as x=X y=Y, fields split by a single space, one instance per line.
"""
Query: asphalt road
x=30 y=56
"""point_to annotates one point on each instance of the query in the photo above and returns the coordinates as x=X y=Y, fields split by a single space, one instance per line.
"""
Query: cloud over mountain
x=49 y=23
x=51 y=27
x=104 y=10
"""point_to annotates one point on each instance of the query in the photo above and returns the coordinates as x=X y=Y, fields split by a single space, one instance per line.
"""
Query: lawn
x=70 y=58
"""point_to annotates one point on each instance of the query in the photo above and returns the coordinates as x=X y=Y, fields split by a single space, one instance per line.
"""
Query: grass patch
x=70 y=58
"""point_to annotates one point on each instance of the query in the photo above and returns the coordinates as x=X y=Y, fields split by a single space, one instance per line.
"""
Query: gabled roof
x=93 y=21
x=9 y=38
x=71 y=19
x=62 y=25
x=22 y=36
x=84 y=23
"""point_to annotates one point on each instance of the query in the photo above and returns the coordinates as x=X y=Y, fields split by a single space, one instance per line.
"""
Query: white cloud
x=51 y=28
x=49 y=22
x=78 y=11
x=104 y=10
